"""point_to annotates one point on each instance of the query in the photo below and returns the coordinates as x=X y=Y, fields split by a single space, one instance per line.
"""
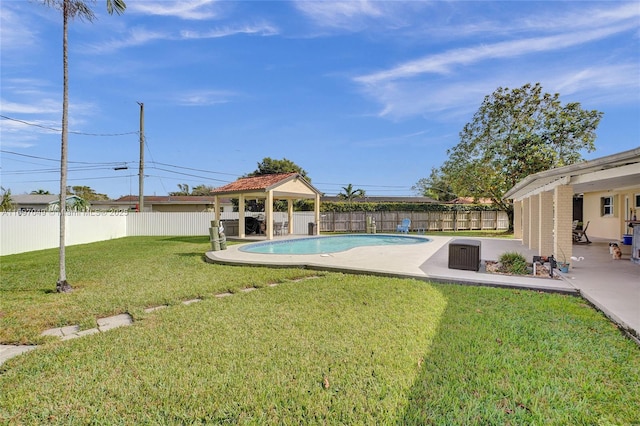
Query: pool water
x=330 y=244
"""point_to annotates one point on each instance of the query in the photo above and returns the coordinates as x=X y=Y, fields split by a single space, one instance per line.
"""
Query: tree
x=435 y=186
x=70 y=9
x=184 y=190
x=6 y=203
x=269 y=166
x=350 y=193
x=86 y=193
x=202 y=190
x=513 y=134
x=40 y=192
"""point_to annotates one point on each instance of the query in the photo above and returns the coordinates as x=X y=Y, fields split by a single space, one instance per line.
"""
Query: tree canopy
x=435 y=186
x=199 y=190
x=269 y=166
x=515 y=133
x=86 y=193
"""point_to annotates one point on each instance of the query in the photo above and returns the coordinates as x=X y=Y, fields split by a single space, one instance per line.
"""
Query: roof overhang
x=617 y=171
x=294 y=187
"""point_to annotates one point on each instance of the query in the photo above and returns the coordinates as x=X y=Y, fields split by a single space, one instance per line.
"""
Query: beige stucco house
x=543 y=202
x=165 y=203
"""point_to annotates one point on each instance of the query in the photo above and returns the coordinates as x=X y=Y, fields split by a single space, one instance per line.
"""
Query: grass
x=335 y=349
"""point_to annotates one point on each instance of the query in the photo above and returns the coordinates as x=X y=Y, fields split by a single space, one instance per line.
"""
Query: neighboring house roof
x=617 y=171
x=287 y=185
x=169 y=199
x=39 y=199
x=470 y=200
x=368 y=199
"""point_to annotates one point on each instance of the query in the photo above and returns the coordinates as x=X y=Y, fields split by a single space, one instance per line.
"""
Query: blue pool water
x=330 y=244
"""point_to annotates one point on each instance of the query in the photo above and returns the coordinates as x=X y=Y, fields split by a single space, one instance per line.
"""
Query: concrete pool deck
x=612 y=286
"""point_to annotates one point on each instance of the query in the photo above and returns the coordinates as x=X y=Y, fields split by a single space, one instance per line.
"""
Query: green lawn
x=330 y=349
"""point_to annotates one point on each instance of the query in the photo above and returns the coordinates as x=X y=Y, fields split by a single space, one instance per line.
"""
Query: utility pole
x=141 y=172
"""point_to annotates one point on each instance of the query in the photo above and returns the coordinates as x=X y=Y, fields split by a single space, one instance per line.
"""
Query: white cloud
x=205 y=97
x=15 y=35
x=443 y=63
x=135 y=37
x=261 y=29
x=42 y=106
x=183 y=9
x=356 y=15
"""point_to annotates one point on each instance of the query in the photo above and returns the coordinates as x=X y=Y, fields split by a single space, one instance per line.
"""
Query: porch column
x=525 y=221
x=534 y=222
x=268 y=210
x=545 y=214
x=241 y=230
x=517 y=219
x=563 y=218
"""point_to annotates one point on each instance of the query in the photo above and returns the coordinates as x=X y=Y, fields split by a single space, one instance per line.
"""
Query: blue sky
x=362 y=92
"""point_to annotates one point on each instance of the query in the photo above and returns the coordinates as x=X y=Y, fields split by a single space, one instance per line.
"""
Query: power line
x=196 y=170
x=58 y=161
x=70 y=131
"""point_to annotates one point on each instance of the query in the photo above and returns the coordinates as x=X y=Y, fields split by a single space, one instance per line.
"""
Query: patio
x=613 y=286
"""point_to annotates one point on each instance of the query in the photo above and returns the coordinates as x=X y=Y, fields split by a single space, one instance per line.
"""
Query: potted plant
x=563 y=266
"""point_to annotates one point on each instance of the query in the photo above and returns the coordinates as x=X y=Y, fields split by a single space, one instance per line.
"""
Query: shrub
x=514 y=263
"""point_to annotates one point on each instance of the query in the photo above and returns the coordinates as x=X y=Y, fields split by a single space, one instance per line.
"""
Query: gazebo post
x=241 y=230
x=289 y=216
x=316 y=209
x=268 y=207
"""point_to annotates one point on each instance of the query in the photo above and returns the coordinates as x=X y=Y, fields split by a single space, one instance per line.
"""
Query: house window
x=607 y=206
x=637 y=201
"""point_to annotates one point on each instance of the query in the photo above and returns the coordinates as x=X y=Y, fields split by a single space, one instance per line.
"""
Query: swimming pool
x=330 y=244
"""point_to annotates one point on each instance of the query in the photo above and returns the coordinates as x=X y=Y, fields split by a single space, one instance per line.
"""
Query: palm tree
x=350 y=193
x=70 y=9
x=6 y=203
x=40 y=192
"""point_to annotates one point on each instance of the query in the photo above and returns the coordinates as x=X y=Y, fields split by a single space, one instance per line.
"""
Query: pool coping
x=428 y=262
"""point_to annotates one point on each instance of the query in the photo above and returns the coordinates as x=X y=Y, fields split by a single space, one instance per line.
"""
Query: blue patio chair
x=404 y=226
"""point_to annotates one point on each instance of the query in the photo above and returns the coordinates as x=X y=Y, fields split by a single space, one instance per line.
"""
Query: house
x=544 y=202
x=43 y=202
x=165 y=203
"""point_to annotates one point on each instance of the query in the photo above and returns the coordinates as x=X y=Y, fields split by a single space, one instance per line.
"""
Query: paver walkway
x=104 y=324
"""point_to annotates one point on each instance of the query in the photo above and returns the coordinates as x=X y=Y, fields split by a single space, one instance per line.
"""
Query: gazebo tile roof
x=255 y=183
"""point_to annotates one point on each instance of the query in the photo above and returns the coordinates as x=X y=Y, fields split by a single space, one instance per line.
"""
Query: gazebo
x=281 y=186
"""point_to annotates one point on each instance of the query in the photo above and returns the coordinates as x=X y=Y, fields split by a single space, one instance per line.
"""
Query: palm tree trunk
x=62 y=286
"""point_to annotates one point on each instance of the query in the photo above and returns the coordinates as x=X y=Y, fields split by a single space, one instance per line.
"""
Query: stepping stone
x=188 y=302
x=55 y=332
x=81 y=333
x=155 y=308
x=9 y=351
x=115 y=321
x=70 y=329
x=248 y=289
x=224 y=294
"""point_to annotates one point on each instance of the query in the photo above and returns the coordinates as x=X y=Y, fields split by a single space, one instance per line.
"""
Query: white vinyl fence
x=37 y=230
